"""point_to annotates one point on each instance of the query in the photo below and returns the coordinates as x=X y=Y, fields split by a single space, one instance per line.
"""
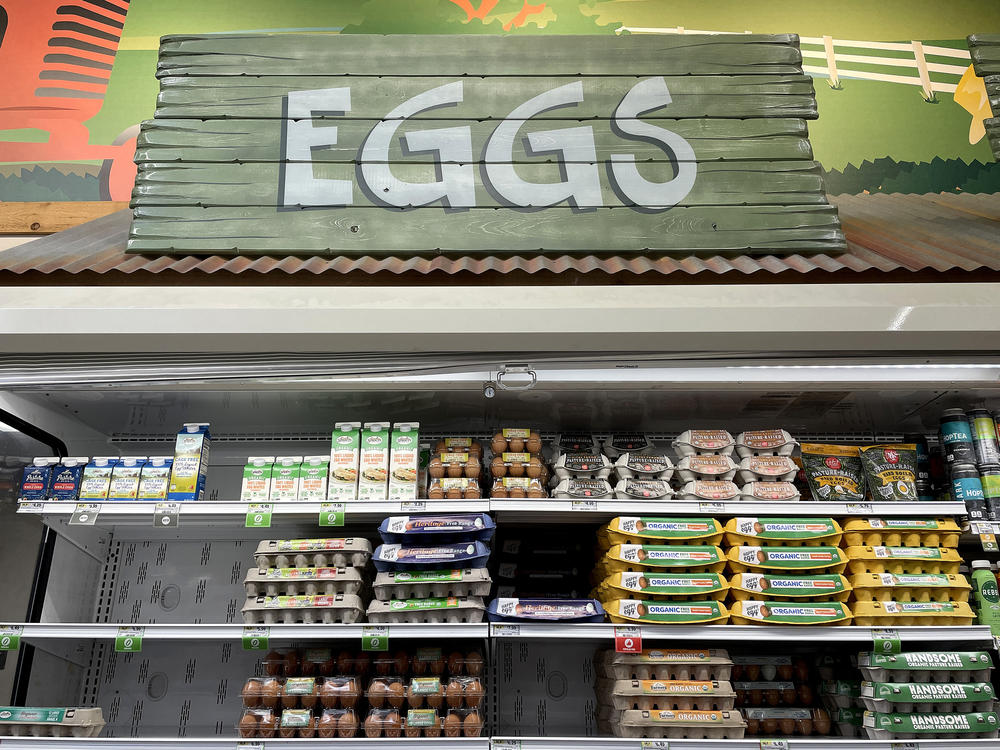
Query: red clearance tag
x=628 y=640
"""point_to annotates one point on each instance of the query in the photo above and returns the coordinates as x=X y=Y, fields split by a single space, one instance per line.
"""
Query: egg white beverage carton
x=189 y=471
x=302 y=581
x=373 y=470
x=285 y=479
x=125 y=478
x=96 y=480
x=17 y=721
x=154 y=483
x=404 y=461
x=345 y=455
x=313 y=475
x=432 y=584
x=313 y=553
x=428 y=611
x=339 y=609
x=256 y=487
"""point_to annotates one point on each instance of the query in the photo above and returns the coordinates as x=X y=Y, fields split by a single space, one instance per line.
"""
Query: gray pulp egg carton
x=448 y=609
x=302 y=581
x=651 y=695
x=680 y=725
x=583 y=489
x=313 y=553
x=848 y=722
x=769 y=492
x=767 y=469
x=700 y=665
x=644 y=466
x=579 y=465
x=926 y=666
x=711 y=467
x=709 y=490
x=16 y=721
x=927 y=697
x=921 y=726
x=339 y=609
x=437 y=584
x=774 y=442
x=643 y=489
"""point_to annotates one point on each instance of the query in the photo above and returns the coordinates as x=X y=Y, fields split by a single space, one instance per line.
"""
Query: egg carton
x=584 y=489
x=848 y=722
x=901 y=532
x=454 y=465
x=279 y=692
x=258 y=722
x=773 y=694
x=302 y=581
x=903 y=560
x=765 y=559
x=704 y=442
x=790 y=587
x=383 y=722
x=458 y=692
x=779 y=492
x=710 y=468
x=576 y=442
x=795 y=532
x=342 y=609
x=643 y=489
x=654 y=530
x=518 y=465
x=921 y=726
x=665 y=695
x=396 y=557
x=767 y=469
x=788 y=722
x=893 y=613
x=765 y=443
x=626 y=442
x=314 y=662
x=341 y=723
x=313 y=553
x=648 y=612
x=17 y=721
x=518 y=487
x=927 y=697
x=437 y=584
x=520 y=609
x=454 y=489
x=449 y=609
x=443 y=527
x=770 y=667
x=708 y=491
x=664 y=586
x=689 y=725
x=459 y=445
x=516 y=440
x=926 y=666
x=690 y=558
x=870 y=587
x=754 y=612
x=837 y=694
x=644 y=466
x=297 y=723
x=700 y=665
x=582 y=466
x=463 y=722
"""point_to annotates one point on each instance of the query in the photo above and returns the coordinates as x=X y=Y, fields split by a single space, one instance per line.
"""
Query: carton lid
x=104 y=460
x=405 y=426
x=159 y=461
x=347 y=426
x=288 y=460
x=131 y=460
x=193 y=427
x=316 y=460
x=74 y=461
x=46 y=461
x=376 y=426
x=260 y=460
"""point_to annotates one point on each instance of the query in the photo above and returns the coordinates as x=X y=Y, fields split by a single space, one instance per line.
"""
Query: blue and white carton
x=66 y=479
x=36 y=479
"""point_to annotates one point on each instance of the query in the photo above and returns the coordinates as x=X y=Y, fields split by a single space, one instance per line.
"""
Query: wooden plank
x=408 y=55
x=46 y=217
x=260 y=140
x=258 y=183
x=375 y=231
x=493 y=97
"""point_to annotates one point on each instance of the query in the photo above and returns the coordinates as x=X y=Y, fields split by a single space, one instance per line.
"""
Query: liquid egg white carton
x=428 y=611
x=456 y=583
x=302 y=581
x=932 y=666
x=341 y=609
x=50 y=722
x=313 y=553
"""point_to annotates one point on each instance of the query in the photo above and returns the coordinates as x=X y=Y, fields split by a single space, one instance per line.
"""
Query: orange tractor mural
x=56 y=59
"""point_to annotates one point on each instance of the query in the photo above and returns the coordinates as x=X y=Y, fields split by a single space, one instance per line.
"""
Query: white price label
x=30 y=507
x=712 y=507
x=654 y=745
x=905 y=746
x=505 y=630
x=249 y=746
x=774 y=745
x=859 y=508
x=505 y=744
x=166 y=514
x=413 y=507
x=583 y=505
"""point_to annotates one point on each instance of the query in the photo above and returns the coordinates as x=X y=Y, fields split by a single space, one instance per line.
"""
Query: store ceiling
x=890 y=238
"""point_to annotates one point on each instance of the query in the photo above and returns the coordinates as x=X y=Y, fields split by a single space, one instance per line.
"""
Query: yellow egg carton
x=757 y=612
x=925 y=587
x=663 y=586
x=779 y=559
x=690 y=558
x=903 y=560
x=826 y=587
x=650 y=530
x=901 y=532
x=646 y=612
x=795 y=532
x=892 y=613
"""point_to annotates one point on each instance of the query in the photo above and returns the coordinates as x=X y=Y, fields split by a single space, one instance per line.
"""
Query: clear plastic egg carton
x=680 y=725
x=450 y=610
x=837 y=694
x=870 y=587
x=921 y=726
x=903 y=560
x=644 y=466
x=302 y=581
x=340 y=609
x=711 y=468
x=775 y=442
x=774 y=694
x=313 y=553
x=437 y=584
x=926 y=666
x=699 y=665
x=876 y=614
x=665 y=695
x=767 y=469
x=927 y=697
x=16 y=721
x=704 y=443
x=788 y=722
x=901 y=532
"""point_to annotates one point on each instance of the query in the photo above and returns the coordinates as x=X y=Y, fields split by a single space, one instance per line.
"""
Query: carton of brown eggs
x=517 y=488
x=454 y=466
x=690 y=725
x=769 y=492
x=926 y=726
x=927 y=697
x=343 y=609
x=709 y=491
x=643 y=489
x=425 y=584
x=516 y=440
x=313 y=553
x=788 y=722
x=450 y=488
x=302 y=581
x=16 y=721
x=926 y=666
x=584 y=489
x=626 y=442
x=665 y=695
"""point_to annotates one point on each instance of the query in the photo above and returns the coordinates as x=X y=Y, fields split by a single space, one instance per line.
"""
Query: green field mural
x=900 y=110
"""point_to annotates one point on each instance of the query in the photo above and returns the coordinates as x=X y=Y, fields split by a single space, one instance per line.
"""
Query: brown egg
x=349 y=696
x=516 y=445
x=476 y=449
x=772 y=697
x=454 y=493
x=274 y=663
x=805 y=695
x=788 y=696
x=307 y=669
x=753 y=672
x=435 y=492
x=377 y=694
x=498 y=444
x=534 y=468
x=309 y=699
x=454 y=694
x=801 y=670
x=327 y=667
x=498 y=491
x=473 y=725
x=251 y=695
x=397 y=694
x=473 y=693
x=453 y=725
x=412 y=731
x=785 y=672
x=787 y=726
x=288 y=701
x=770 y=726
x=401 y=663
x=436 y=666
x=753 y=726
x=270 y=693
x=345 y=662
x=473 y=468
x=348 y=726
x=440 y=447
x=292 y=663
x=517 y=492
x=473 y=492
x=497 y=467
x=455 y=470
x=373 y=727
x=534 y=443
x=327 y=725
x=456 y=660
x=805 y=727
x=821 y=722
x=416 y=700
x=516 y=469
x=362 y=663
x=329 y=694
x=383 y=666
x=436 y=467
x=288 y=732
x=434 y=730
x=310 y=731
x=535 y=492
x=419 y=667
x=267 y=725
x=434 y=700
x=393 y=725
x=248 y=725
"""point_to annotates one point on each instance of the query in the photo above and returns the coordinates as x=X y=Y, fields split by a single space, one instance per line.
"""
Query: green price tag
x=255 y=638
x=10 y=637
x=886 y=641
x=129 y=640
x=332 y=514
x=375 y=638
x=259 y=515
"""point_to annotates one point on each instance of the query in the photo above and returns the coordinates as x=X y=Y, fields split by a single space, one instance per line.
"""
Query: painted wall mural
x=900 y=108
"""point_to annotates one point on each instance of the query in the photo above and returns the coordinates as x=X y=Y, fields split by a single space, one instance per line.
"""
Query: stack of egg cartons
x=432 y=568
x=776 y=695
x=927 y=695
x=307 y=581
x=642 y=471
x=662 y=571
x=667 y=694
x=580 y=469
x=787 y=571
x=906 y=572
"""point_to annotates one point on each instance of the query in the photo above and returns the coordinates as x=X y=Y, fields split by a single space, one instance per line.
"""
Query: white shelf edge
x=749 y=743
x=751 y=633
x=233 y=743
x=228 y=632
